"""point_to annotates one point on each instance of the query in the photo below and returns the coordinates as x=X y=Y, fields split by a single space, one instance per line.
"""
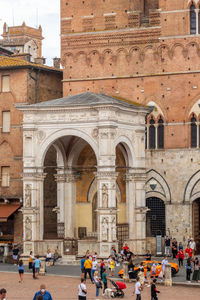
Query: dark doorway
x=155 y=220
x=196 y=223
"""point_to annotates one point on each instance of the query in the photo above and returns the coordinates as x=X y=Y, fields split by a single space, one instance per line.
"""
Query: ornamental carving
x=27 y=195
x=104 y=229
x=41 y=135
x=28 y=229
x=104 y=196
x=95 y=133
x=113 y=229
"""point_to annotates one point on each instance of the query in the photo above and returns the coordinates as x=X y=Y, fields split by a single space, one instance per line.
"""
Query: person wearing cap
x=3 y=294
x=45 y=294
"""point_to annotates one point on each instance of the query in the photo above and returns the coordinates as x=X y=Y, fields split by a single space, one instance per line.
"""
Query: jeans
x=104 y=286
x=89 y=272
x=188 y=273
x=180 y=262
x=167 y=250
x=92 y=271
x=97 y=291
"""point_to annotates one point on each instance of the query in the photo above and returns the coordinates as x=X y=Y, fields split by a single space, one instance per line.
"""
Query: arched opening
x=193 y=132
x=152 y=134
x=155 y=218
x=192 y=19
x=196 y=223
x=160 y=134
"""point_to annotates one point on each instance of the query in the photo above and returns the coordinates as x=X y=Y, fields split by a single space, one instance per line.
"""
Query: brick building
x=145 y=52
x=20 y=82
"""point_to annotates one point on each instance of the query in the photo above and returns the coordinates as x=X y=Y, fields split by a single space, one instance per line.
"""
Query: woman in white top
x=82 y=291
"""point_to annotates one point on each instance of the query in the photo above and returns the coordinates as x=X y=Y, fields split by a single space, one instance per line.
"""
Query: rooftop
x=7 y=62
x=86 y=99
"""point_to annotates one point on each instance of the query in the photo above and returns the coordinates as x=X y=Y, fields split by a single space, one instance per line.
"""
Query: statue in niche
x=104 y=196
x=28 y=229
x=113 y=229
x=27 y=195
x=104 y=228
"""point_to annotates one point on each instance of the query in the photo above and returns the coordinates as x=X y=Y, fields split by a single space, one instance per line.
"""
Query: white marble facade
x=103 y=123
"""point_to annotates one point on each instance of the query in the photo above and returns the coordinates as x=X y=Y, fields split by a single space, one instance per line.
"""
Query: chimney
x=40 y=60
x=56 y=62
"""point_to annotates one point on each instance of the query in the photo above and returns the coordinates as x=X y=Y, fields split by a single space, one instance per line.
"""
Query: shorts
x=37 y=270
x=81 y=297
x=83 y=270
x=21 y=271
x=15 y=257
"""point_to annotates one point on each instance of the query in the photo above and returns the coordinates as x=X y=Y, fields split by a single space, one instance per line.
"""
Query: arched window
x=152 y=134
x=155 y=220
x=193 y=132
x=192 y=19
x=160 y=134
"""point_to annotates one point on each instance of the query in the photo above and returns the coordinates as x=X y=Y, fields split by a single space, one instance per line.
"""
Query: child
x=112 y=267
x=154 y=291
x=21 y=270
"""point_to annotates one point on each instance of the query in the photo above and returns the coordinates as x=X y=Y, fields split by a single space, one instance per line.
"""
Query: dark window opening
x=152 y=135
x=193 y=133
x=155 y=219
x=192 y=19
x=160 y=134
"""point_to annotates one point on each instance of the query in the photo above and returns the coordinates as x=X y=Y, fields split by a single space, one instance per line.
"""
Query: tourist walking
x=154 y=290
x=141 y=274
x=82 y=290
x=30 y=262
x=138 y=289
x=21 y=270
x=105 y=281
x=188 y=267
x=43 y=292
x=167 y=246
x=180 y=257
x=174 y=248
x=15 y=254
x=148 y=276
x=3 y=293
x=37 y=266
x=196 y=273
x=33 y=268
x=94 y=266
x=88 y=267
x=102 y=267
x=164 y=262
x=82 y=267
x=98 y=283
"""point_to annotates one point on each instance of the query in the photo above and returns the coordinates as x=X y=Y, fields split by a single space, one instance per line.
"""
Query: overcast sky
x=17 y=11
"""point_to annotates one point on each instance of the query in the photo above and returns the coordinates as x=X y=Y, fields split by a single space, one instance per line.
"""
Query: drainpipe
x=36 y=81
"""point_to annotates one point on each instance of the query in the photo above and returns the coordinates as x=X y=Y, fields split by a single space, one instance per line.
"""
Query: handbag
x=99 y=284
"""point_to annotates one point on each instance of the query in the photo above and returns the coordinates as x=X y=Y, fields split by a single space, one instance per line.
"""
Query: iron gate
x=122 y=234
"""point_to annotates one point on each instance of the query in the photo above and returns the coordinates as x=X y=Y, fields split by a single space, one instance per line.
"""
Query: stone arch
x=189 y=193
x=64 y=132
x=178 y=45
x=128 y=145
x=192 y=2
x=193 y=108
x=161 y=190
x=157 y=111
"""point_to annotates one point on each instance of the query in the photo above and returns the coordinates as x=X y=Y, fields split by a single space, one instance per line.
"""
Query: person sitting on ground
x=148 y=255
x=154 y=290
x=55 y=256
x=3 y=294
x=42 y=292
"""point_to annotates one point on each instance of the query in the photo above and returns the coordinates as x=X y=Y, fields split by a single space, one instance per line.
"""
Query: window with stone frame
x=6 y=121
x=5 y=83
x=193 y=132
x=155 y=218
x=5 y=176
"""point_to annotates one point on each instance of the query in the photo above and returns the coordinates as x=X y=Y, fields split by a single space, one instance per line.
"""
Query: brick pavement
x=63 y=288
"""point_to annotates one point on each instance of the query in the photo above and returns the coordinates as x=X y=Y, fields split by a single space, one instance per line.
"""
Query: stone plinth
x=168 y=275
x=125 y=269
x=42 y=267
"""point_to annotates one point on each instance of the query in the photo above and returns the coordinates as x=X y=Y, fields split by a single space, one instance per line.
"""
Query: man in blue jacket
x=42 y=292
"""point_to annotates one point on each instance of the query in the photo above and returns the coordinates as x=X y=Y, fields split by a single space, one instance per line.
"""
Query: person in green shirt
x=105 y=280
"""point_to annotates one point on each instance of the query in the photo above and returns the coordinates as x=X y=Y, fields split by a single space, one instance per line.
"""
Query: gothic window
x=192 y=19
x=193 y=132
x=155 y=221
x=160 y=134
x=152 y=134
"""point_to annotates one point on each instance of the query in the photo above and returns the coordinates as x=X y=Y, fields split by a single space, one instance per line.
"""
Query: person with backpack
x=98 y=283
x=188 y=267
x=82 y=290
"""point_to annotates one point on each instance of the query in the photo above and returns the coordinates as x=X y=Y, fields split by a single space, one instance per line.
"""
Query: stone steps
x=68 y=260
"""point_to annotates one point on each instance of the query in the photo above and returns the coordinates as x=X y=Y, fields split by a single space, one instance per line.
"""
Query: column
x=130 y=206
x=60 y=208
x=197 y=134
x=33 y=209
x=138 y=209
x=70 y=203
x=156 y=136
x=107 y=211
